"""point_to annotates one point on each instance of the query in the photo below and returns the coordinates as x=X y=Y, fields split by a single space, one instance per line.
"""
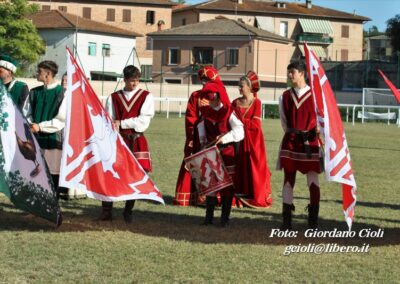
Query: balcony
x=314 y=38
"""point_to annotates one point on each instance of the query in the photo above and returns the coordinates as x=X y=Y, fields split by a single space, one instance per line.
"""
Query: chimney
x=160 y=25
x=308 y=4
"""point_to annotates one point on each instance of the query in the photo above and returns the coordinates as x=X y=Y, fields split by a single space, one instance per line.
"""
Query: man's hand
x=35 y=128
x=204 y=102
x=219 y=140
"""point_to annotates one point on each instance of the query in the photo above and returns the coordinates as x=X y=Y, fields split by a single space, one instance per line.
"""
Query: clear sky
x=379 y=11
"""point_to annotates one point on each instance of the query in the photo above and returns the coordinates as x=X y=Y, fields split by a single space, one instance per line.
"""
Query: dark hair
x=131 y=71
x=49 y=65
x=298 y=65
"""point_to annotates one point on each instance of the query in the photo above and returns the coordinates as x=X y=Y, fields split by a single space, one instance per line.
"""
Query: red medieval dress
x=185 y=192
x=136 y=141
x=253 y=175
x=300 y=146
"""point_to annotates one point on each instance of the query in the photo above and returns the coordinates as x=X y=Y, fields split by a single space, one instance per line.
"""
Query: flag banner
x=208 y=171
x=337 y=161
x=95 y=158
x=391 y=86
x=24 y=177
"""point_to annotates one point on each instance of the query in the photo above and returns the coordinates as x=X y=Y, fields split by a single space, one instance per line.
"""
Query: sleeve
x=202 y=133
x=237 y=132
x=58 y=122
x=24 y=94
x=282 y=114
x=141 y=122
x=191 y=117
x=110 y=107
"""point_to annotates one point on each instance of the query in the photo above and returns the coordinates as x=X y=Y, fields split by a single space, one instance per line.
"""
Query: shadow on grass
x=158 y=221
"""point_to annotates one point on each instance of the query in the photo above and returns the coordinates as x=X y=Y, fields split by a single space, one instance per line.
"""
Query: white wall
x=121 y=47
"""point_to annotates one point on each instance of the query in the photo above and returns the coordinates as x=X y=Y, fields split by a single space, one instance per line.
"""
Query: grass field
x=165 y=244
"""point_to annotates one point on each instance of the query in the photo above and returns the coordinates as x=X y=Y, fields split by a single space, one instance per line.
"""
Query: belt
x=305 y=136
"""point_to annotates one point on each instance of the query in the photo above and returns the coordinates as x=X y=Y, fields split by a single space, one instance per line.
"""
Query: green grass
x=166 y=244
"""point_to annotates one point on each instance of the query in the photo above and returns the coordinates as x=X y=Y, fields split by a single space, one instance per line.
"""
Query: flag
x=338 y=166
x=391 y=86
x=24 y=177
x=95 y=158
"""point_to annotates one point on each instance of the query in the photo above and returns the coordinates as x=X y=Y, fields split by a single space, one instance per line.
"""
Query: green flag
x=24 y=176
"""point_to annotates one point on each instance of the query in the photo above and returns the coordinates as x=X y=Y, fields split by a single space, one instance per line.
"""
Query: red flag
x=338 y=166
x=95 y=157
x=391 y=86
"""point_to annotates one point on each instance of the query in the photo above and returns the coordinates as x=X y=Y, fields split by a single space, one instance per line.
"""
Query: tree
x=393 y=31
x=18 y=36
x=180 y=1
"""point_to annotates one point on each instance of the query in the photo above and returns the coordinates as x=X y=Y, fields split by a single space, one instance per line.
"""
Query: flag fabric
x=24 y=177
x=391 y=86
x=337 y=160
x=95 y=157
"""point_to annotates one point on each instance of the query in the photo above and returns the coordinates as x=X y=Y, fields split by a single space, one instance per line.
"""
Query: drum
x=208 y=171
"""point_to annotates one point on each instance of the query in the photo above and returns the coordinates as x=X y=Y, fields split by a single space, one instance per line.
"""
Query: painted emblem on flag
x=24 y=176
x=208 y=171
x=95 y=157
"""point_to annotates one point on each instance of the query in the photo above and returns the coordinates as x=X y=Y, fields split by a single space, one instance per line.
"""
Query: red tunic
x=253 y=175
x=301 y=130
x=135 y=141
x=185 y=192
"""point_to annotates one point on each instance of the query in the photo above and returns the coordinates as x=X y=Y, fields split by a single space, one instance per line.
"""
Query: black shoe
x=105 y=216
x=287 y=216
x=127 y=217
x=313 y=211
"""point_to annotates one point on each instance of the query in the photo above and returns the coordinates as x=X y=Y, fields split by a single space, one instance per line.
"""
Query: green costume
x=19 y=92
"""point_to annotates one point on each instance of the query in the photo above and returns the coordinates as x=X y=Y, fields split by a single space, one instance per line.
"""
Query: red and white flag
x=391 y=86
x=338 y=166
x=95 y=157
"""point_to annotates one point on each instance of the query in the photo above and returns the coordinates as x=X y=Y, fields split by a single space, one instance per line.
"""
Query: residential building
x=101 y=50
x=377 y=47
x=333 y=35
x=231 y=46
x=139 y=16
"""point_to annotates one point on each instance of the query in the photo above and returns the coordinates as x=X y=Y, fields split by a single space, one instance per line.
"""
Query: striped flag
x=338 y=166
x=391 y=86
x=24 y=177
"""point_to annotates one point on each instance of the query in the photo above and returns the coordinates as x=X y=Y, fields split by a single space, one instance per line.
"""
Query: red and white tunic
x=300 y=147
x=134 y=109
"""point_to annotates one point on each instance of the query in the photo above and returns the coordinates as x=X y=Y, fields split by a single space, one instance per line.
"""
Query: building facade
x=334 y=35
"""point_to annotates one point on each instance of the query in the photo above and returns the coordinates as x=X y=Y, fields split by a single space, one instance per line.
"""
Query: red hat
x=208 y=72
x=253 y=81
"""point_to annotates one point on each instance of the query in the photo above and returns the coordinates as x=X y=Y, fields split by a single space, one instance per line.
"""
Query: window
x=46 y=8
x=146 y=72
x=87 y=12
x=150 y=17
x=345 y=31
x=111 y=15
x=183 y=22
x=126 y=15
x=173 y=57
x=62 y=8
x=344 y=55
x=106 y=50
x=283 y=29
x=203 y=55
x=232 y=56
x=92 y=49
x=149 y=43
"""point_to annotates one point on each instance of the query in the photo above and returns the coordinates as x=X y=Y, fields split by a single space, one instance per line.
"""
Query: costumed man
x=220 y=125
x=19 y=90
x=185 y=192
x=131 y=109
x=253 y=175
x=45 y=110
x=300 y=149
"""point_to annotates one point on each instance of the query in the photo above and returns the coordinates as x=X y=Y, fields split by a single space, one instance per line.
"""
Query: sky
x=379 y=11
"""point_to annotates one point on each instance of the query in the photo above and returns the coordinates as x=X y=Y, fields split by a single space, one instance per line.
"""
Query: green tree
x=18 y=36
x=393 y=31
x=180 y=1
